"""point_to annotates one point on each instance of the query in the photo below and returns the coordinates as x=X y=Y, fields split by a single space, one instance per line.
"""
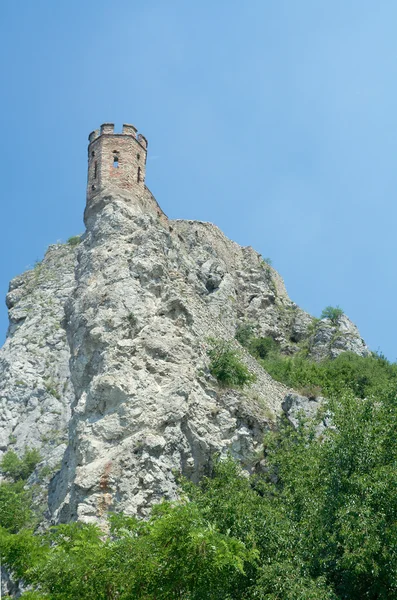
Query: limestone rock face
x=35 y=388
x=329 y=339
x=297 y=407
x=114 y=349
x=148 y=294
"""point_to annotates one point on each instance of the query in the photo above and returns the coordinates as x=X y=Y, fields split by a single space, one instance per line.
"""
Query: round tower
x=116 y=160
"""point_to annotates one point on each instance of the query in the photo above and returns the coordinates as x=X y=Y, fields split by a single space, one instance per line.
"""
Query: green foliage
x=51 y=390
x=226 y=365
x=17 y=468
x=176 y=554
x=15 y=504
x=333 y=313
x=339 y=493
x=74 y=240
x=132 y=320
x=263 y=347
x=320 y=525
x=260 y=347
x=267 y=261
x=35 y=596
x=244 y=333
x=363 y=376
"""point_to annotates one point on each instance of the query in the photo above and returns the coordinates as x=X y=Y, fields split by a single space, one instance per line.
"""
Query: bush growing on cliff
x=244 y=333
x=263 y=347
x=74 y=240
x=226 y=365
x=260 y=347
x=333 y=313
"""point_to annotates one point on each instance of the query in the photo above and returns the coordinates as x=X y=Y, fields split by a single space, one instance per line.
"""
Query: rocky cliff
x=105 y=366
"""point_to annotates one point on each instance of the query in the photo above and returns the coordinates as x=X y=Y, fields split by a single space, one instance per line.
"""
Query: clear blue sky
x=274 y=119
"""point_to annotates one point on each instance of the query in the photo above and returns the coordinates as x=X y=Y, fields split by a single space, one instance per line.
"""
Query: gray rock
x=296 y=407
x=107 y=364
x=35 y=388
x=329 y=339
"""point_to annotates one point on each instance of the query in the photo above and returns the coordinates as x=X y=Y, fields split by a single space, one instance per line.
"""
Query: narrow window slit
x=139 y=175
x=95 y=169
x=116 y=161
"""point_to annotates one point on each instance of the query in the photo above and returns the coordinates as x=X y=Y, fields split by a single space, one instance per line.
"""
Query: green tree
x=339 y=494
x=19 y=468
x=333 y=313
x=176 y=554
x=15 y=506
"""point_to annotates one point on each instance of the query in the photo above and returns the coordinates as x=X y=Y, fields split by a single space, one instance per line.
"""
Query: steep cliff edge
x=106 y=359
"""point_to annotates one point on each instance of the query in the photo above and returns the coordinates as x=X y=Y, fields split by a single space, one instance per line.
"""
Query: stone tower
x=116 y=160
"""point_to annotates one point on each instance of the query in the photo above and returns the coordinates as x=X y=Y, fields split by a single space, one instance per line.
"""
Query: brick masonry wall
x=102 y=172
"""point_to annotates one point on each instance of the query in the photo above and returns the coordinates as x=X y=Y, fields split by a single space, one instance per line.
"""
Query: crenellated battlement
x=108 y=129
x=116 y=160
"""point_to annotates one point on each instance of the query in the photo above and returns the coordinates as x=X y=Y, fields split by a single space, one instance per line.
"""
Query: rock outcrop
x=106 y=367
x=36 y=393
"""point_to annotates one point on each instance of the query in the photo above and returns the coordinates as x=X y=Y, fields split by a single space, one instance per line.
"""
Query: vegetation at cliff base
x=15 y=498
x=17 y=468
x=316 y=520
x=318 y=524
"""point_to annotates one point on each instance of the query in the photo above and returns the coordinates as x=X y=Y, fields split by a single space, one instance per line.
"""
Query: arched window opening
x=138 y=156
x=93 y=153
x=139 y=175
x=115 y=161
x=95 y=169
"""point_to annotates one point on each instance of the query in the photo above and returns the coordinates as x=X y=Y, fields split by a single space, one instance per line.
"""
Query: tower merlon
x=93 y=135
x=142 y=140
x=107 y=128
x=129 y=130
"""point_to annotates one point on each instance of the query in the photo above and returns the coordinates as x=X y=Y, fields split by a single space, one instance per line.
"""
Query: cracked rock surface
x=36 y=393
